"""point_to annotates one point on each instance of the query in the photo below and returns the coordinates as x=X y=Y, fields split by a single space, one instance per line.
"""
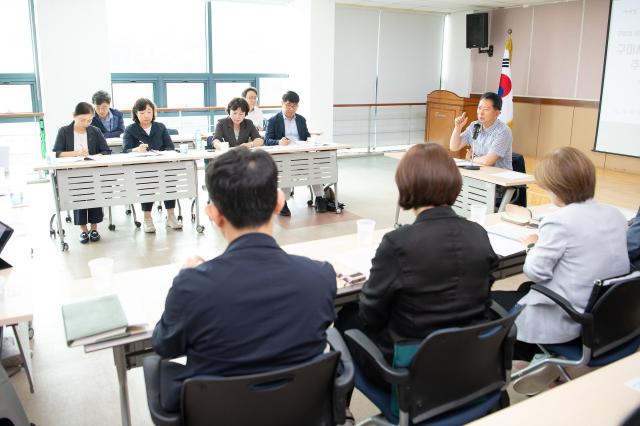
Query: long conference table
x=125 y=179
x=147 y=288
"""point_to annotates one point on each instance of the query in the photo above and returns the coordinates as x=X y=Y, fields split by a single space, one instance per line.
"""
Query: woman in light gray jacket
x=579 y=243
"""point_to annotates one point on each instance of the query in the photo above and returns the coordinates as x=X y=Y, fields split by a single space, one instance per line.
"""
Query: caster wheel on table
x=31 y=333
x=65 y=247
x=127 y=212
x=138 y=224
x=52 y=233
x=310 y=203
x=179 y=218
x=112 y=227
x=67 y=219
x=193 y=218
x=200 y=229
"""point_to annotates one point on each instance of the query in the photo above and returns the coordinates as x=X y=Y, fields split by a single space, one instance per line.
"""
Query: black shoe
x=94 y=236
x=84 y=237
x=321 y=204
x=285 y=210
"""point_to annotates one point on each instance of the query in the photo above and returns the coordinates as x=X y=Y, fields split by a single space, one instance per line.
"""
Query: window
x=157 y=36
x=187 y=124
x=272 y=89
x=15 y=98
x=227 y=91
x=15 y=32
x=124 y=95
x=240 y=37
x=185 y=95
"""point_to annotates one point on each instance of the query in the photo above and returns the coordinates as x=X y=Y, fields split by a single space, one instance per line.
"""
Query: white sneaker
x=173 y=223
x=148 y=226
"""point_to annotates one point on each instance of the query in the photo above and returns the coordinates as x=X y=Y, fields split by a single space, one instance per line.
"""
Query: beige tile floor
x=73 y=388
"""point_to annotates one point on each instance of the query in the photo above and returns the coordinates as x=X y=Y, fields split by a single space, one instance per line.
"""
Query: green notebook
x=94 y=320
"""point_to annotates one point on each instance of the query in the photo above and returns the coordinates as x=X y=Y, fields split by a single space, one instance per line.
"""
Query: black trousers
x=168 y=204
x=84 y=216
x=508 y=300
x=348 y=319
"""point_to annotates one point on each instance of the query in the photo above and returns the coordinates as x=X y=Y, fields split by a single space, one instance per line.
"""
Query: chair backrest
x=172 y=131
x=456 y=366
x=517 y=162
x=291 y=396
x=616 y=315
x=10 y=406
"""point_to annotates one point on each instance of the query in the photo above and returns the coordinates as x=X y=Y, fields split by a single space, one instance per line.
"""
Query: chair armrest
x=583 y=319
x=394 y=376
x=160 y=417
x=498 y=309
x=343 y=384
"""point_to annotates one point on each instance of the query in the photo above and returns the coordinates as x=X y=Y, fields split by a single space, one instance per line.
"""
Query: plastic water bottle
x=197 y=140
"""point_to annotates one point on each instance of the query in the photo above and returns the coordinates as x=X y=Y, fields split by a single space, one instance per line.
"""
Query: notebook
x=96 y=320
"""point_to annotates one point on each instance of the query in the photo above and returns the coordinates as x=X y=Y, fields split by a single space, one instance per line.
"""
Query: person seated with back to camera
x=145 y=134
x=236 y=129
x=109 y=120
x=633 y=241
x=493 y=144
x=80 y=139
x=579 y=243
x=254 y=308
x=432 y=274
x=286 y=128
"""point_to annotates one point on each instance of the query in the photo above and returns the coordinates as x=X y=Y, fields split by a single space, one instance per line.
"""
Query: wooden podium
x=443 y=107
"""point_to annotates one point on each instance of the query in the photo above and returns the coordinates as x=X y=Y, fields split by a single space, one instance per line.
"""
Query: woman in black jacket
x=432 y=274
x=146 y=134
x=80 y=139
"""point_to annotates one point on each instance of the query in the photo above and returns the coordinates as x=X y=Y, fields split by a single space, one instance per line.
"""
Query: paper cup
x=477 y=213
x=365 y=231
x=101 y=270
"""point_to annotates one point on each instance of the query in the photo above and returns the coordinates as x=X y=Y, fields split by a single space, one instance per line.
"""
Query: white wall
x=72 y=65
x=311 y=73
x=456 y=59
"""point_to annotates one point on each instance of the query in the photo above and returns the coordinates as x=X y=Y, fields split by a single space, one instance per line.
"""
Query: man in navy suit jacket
x=109 y=120
x=287 y=127
x=254 y=308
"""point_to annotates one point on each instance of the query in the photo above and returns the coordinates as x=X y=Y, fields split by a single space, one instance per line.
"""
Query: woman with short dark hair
x=236 y=129
x=432 y=274
x=80 y=139
x=145 y=134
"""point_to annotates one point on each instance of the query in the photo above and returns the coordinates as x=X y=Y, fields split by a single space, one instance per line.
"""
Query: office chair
x=11 y=409
x=311 y=393
x=517 y=162
x=457 y=374
x=610 y=326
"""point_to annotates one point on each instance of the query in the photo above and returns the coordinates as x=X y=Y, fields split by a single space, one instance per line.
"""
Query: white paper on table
x=505 y=246
x=133 y=310
x=509 y=175
x=510 y=231
x=634 y=384
x=359 y=260
x=461 y=163
x=66 y=160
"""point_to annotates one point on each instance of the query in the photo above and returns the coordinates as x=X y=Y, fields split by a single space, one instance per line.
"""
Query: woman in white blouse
x=250 y=94
x=580 y=242
x=80 y=139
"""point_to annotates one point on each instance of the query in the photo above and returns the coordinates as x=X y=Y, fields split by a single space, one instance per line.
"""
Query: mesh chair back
x=300 y=395
x=456 y=366
x=517 y=162
x=615 y=311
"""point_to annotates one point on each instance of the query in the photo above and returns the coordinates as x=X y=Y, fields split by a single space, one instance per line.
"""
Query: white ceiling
x=442 y=6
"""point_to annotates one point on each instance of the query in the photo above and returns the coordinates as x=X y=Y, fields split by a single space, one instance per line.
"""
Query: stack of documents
x=505 y=237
